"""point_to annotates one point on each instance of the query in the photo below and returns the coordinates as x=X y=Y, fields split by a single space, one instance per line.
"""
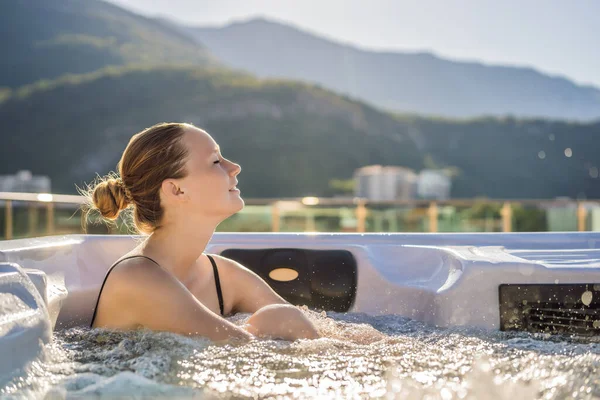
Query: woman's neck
x=176 y=247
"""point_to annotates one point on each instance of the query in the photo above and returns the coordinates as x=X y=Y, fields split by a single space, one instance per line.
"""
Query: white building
x=434 y=184
x=24 y=181
x=379 y=183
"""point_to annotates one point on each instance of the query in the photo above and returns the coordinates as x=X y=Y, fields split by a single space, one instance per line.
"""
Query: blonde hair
x=152 y=155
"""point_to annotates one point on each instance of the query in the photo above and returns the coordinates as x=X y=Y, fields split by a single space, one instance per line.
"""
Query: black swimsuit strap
x=217 y=283
x=106 y=277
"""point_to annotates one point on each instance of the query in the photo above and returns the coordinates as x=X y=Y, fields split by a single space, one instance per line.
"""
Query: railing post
x=9 y=220
x=432 y=212
x=275 y=217
x=581 y=217
x=361 y=216
x=50 y=218
x=506 y=213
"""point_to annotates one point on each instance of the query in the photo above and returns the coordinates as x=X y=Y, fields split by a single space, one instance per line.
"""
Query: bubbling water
x=359 y=356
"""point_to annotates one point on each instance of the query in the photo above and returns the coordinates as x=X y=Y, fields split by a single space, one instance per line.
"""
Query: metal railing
x=279 y=206
x=34 y=200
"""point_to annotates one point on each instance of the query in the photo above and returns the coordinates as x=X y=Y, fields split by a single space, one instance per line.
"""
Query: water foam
x=358 y=356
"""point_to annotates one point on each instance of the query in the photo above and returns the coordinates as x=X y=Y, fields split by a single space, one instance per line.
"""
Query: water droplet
x=556 y=281
x=568 y=152
x=586 y=297
x=446 y=394
x=542 y=154
x=594 y=172
x=551 y=137
x=596 y=324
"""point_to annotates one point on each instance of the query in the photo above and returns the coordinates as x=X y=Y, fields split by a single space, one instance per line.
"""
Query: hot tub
x=538 y=282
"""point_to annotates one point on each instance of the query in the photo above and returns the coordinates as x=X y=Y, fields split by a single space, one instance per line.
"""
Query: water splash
x=359 y=356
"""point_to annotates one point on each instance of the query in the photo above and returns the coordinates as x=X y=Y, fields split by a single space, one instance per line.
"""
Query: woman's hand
x=282 y=321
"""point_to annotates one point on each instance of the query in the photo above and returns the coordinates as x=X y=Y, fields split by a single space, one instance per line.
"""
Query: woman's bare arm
x=272 y=315
x=251 y=292
x=281 y=321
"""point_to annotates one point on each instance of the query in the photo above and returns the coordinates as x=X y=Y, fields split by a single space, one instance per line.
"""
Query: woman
x=181 y=187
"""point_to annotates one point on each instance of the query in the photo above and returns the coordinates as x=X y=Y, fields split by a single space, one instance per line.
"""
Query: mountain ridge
x=421 y=82
x=55 y=37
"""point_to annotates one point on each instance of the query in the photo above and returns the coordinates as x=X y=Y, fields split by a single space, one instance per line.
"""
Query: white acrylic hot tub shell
x=443 y=279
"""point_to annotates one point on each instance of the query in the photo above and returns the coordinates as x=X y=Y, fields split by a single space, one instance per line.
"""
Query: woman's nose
x=236 y=169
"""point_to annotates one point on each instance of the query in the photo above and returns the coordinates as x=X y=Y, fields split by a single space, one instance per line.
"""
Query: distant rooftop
x=373 y=169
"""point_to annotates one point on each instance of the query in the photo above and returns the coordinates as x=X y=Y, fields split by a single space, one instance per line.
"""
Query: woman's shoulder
x=136 y=272
x=126 y=290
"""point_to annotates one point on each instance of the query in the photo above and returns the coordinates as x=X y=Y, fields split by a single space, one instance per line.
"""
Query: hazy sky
x=559 y=37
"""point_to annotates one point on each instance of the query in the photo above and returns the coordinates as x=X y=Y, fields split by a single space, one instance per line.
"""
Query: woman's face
x=211 y=179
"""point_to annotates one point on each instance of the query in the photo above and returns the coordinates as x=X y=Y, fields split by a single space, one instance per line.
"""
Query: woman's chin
x=240 y=203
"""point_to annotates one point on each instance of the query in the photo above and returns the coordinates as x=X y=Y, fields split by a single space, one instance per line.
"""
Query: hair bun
x=110 y=197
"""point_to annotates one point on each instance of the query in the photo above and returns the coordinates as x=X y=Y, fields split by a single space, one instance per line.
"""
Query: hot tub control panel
x=551 y=308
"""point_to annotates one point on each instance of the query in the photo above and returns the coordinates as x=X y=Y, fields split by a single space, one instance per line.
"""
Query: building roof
x=380 y=169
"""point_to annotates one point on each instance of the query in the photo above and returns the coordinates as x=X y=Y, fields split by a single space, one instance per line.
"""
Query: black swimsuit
x=215 y=271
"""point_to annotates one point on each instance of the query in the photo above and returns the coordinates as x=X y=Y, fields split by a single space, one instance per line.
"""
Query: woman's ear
x=171 y=189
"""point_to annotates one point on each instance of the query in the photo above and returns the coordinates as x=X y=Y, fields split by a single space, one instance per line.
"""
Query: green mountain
x=408 y=82
x=43 y=39
x=290 y=138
